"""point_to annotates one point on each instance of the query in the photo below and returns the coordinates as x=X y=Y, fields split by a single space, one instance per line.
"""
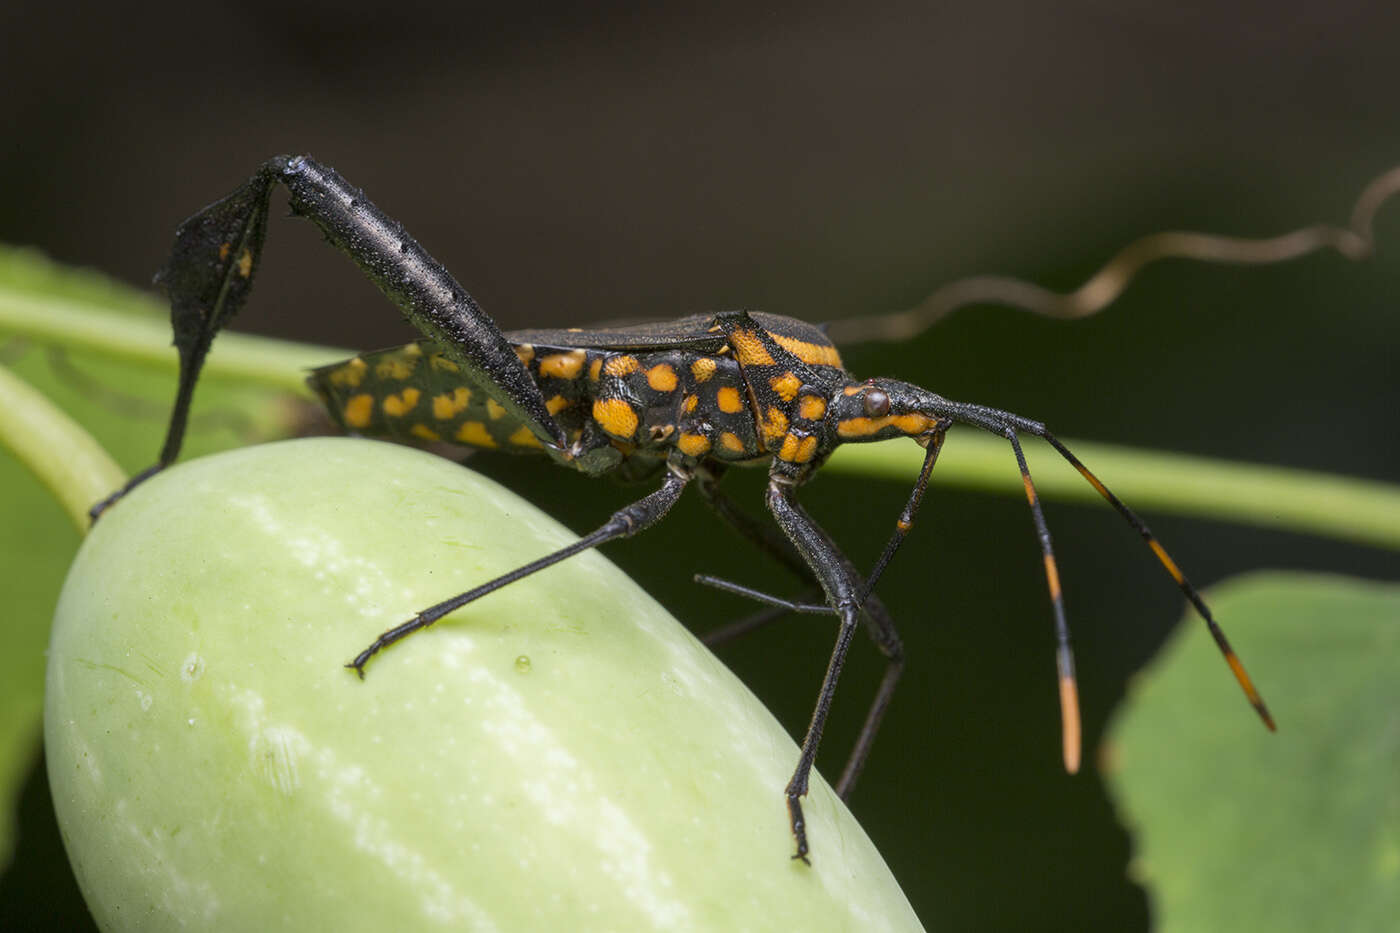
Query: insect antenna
x=1070 y=732
x=1007 y=424
x=1187 y=589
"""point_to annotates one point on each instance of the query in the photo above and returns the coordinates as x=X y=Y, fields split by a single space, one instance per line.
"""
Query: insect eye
x=877 y=403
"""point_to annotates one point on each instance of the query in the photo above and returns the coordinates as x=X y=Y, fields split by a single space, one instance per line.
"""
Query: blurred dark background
x=573 y=163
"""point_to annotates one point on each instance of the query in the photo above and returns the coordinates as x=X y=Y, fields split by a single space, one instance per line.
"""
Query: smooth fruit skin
x=561 y=755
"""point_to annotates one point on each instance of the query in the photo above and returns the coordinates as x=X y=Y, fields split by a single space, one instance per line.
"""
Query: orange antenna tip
x=1069 y=722
x=1250 y=692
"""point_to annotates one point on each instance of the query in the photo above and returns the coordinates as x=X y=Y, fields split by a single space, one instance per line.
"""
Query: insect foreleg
x=933 y=445
x=624 y=523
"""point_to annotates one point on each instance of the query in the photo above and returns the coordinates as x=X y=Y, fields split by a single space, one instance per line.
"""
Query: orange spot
x=688 y=405
x=562 y=365
x=797 y=449
x=402 y=403
x=349 y=374
x=621 y=366
x=729 y=401
x=245 y=264
x=447 y=406
x=358 y=410
x=703 y=368
x=786 y=386
x=595 y=368
x=911 y=424
x=852 y=389
x=440 y=362
x=224 y=250
x=524 y=437
x=662 y=377
x=857 y=427
x=730 y=441
x=475 y=433
x=693 y=445
x=775 y=424
x=495 y=409
x=813 y=353
x=425 y=432
x=812 y=407
x=525 y=352
x=556 y=404
x=395 y=368
x=749 y=349
x=615 y=417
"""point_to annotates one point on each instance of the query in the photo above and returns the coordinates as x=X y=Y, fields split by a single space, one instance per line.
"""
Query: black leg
x=624 y=523
x=746 y=526
x=878 y=622
x=776 y=602
x=843 y=588
x=933 y=444
x=214 y=261
x=778 y=607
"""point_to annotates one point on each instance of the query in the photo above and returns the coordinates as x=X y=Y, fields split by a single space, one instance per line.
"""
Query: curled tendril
x=1354 y=241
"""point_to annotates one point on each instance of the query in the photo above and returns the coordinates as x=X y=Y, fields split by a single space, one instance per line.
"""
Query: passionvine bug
x=684 y=399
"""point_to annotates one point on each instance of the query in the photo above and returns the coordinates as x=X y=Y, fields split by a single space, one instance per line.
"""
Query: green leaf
x=123 y=403
x=1241 y=829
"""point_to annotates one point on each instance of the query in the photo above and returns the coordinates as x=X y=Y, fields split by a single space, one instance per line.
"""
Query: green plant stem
x=1351 y=509
x=1357 y=510
x=262 y=361
x=56 y=449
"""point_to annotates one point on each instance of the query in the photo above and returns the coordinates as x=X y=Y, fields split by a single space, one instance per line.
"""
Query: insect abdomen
x=414 y=393
x=644 y=403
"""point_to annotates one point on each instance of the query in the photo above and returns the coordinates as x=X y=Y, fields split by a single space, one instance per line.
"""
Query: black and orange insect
x=682 y=400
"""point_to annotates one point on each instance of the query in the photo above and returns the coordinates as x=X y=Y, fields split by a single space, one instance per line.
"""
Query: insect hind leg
x=208 y=277
x=213 y=264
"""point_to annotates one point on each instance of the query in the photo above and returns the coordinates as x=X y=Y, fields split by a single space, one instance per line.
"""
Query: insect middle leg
x=879 y=624
x=762 y=537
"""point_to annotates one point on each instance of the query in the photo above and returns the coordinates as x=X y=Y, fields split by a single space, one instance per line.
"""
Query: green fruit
x=561 y=755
